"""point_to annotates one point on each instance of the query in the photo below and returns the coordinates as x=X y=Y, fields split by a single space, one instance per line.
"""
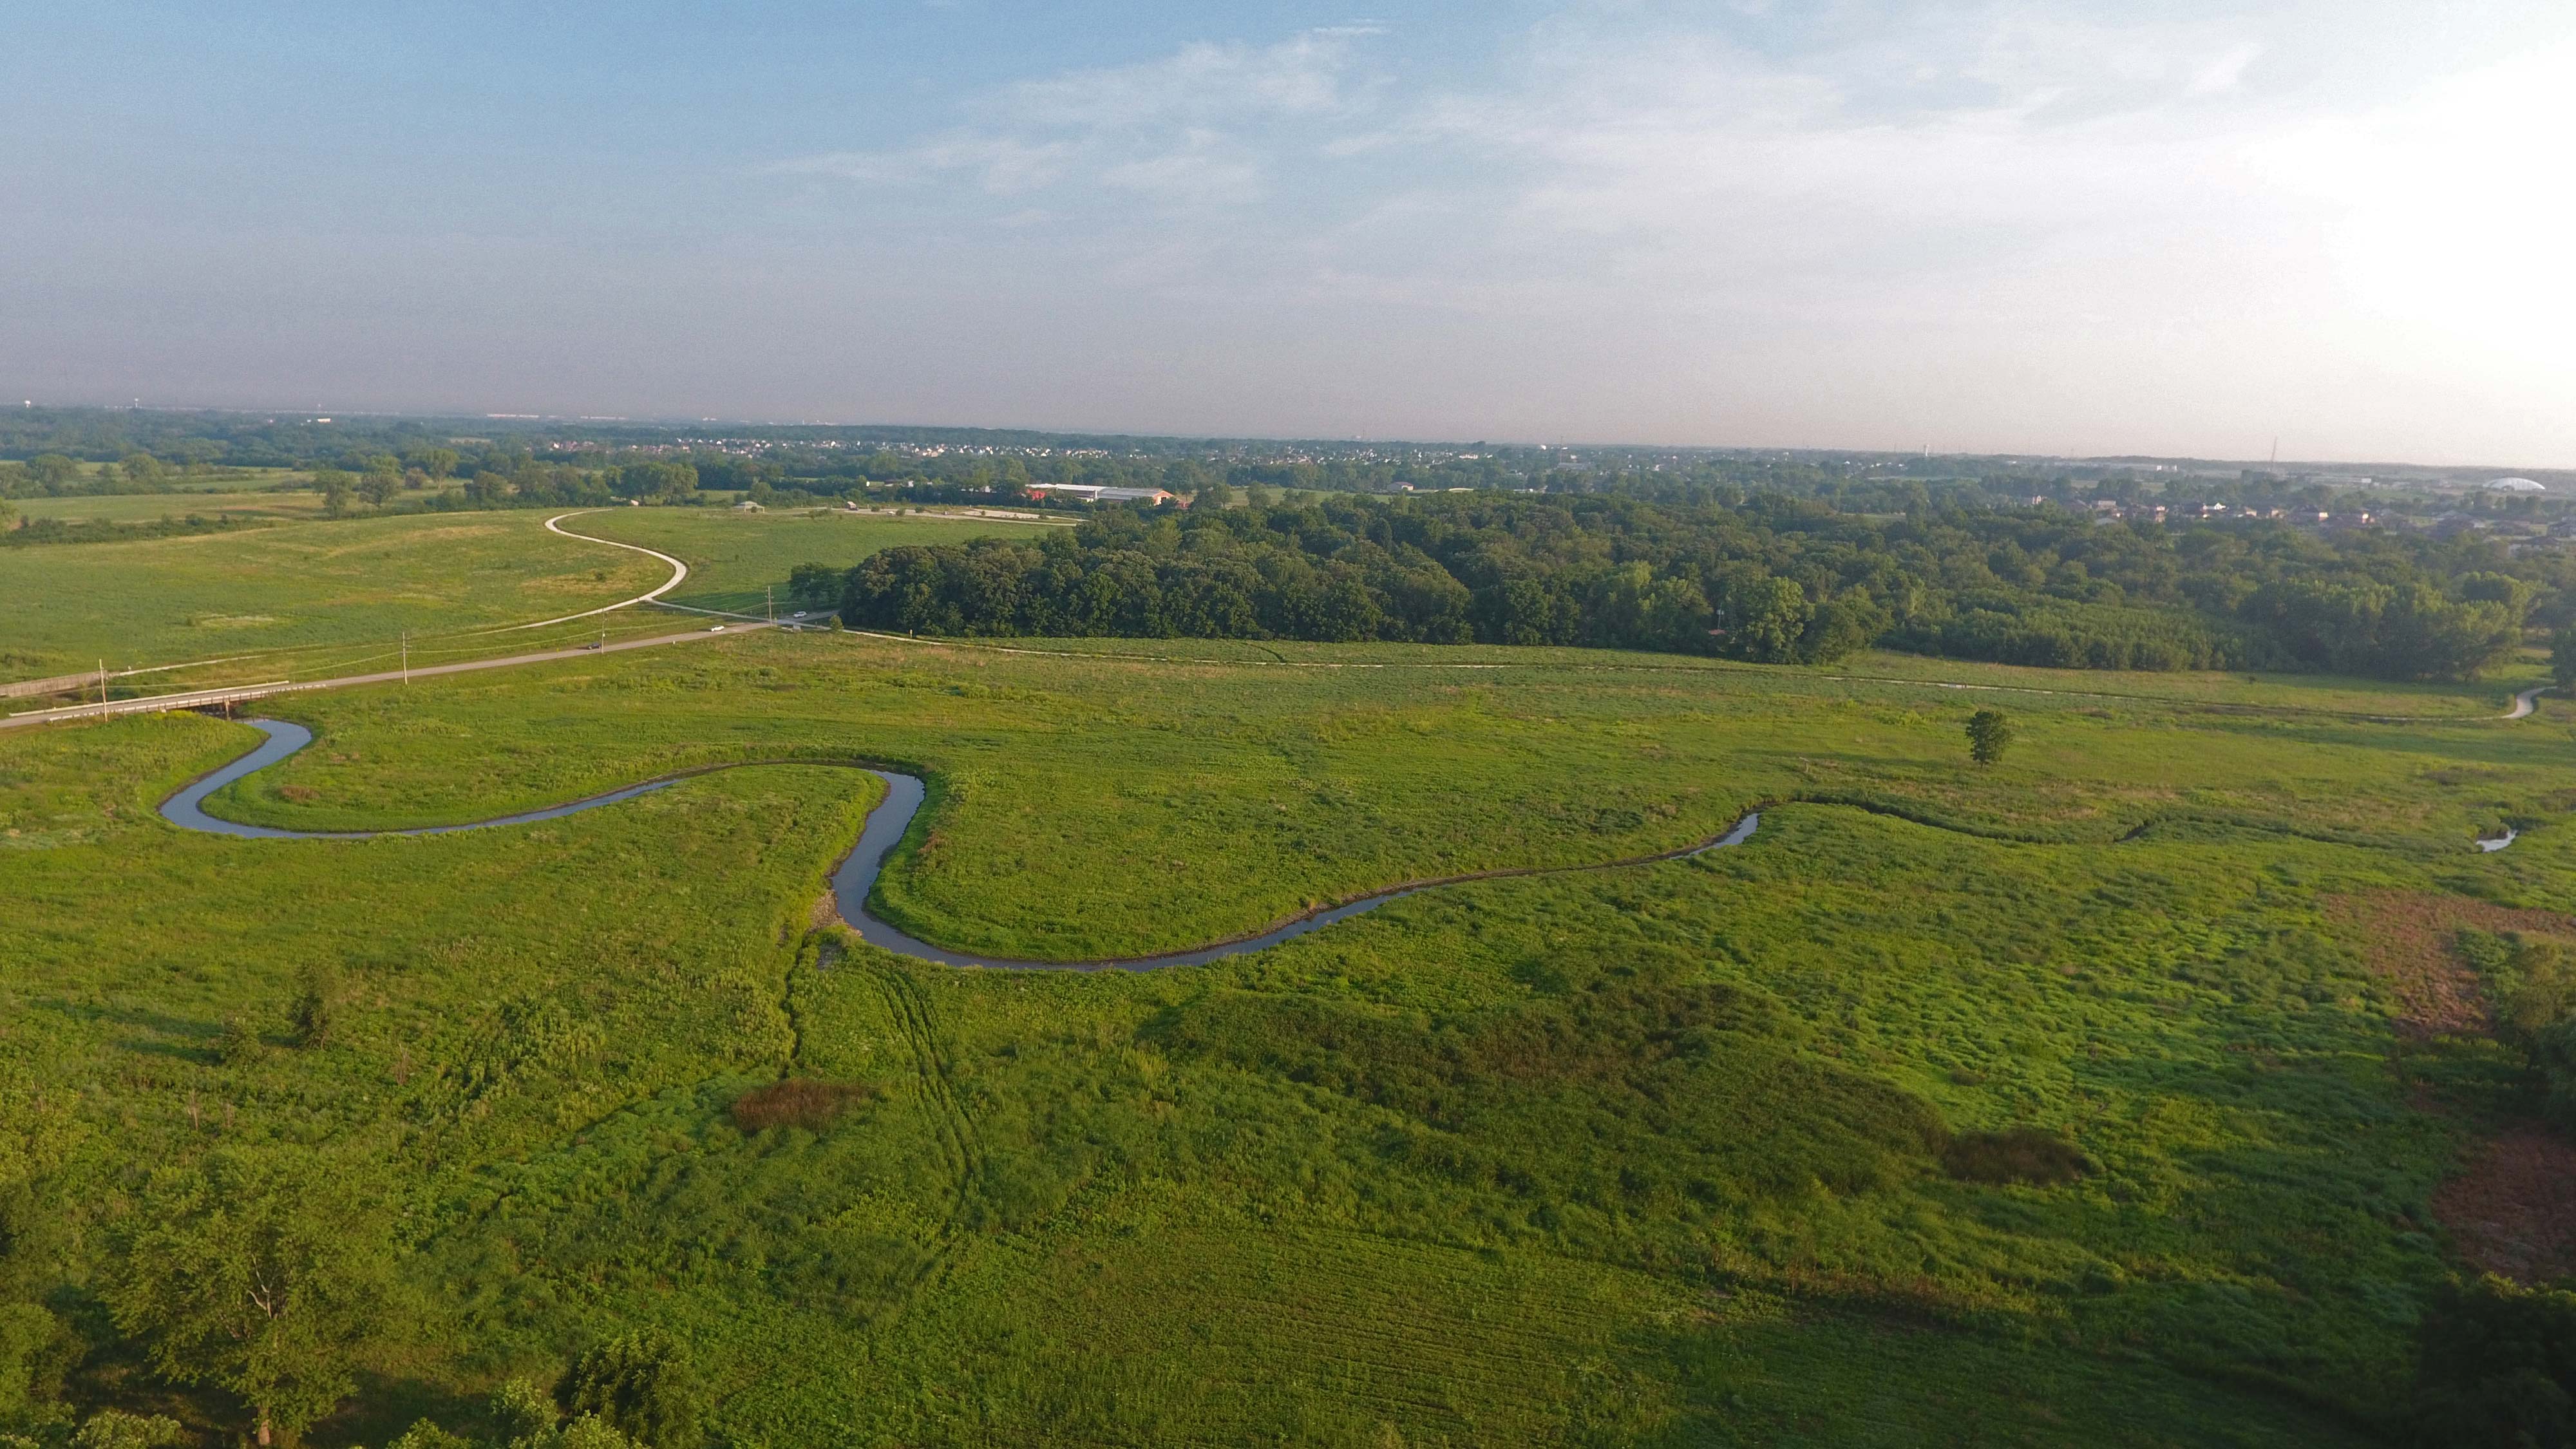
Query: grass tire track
x=950 y=1126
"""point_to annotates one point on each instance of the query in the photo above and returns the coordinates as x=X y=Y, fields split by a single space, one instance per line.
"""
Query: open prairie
x=276 y=602
x=2095 y=1096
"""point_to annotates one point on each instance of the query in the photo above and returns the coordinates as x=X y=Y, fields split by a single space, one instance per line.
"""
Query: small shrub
x=317 y=1006
x=797 y=1102
x=2016 y=1154
x=240 y=1043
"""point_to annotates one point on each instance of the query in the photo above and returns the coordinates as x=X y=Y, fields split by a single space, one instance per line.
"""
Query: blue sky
x=2049 y=226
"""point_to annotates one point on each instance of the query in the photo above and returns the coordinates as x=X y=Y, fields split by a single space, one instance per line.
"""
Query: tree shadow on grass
x=386 y=1405
x=196 y=1040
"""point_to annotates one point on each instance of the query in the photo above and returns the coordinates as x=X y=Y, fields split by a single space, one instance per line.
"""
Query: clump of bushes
x=640 y=1384
x=2016 y=1154
x=2497 y=1367
x=520 y=1416
x=2530 y=987
x=796 y=1102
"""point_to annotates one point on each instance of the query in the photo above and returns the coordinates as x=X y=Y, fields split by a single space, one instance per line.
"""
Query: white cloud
x=1305 y=75
x=1183 y=128
x=1002 y=165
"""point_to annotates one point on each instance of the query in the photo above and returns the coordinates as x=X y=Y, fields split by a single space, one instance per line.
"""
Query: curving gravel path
x=857 y=872
x=679 y=571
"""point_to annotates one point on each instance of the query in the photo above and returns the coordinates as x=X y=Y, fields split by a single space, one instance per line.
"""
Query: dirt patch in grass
x=2407 y=938
x=2513 y=1211
x=800 y=1102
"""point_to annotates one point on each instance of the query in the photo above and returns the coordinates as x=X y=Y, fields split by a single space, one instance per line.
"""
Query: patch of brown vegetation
x=2512 y=1207
x=2513 y=1210
x=797 y=1102
x=2406 y=939
x=2017 y=1154
x=299 y=794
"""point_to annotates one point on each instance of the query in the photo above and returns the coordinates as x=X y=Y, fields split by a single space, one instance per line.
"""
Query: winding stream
x=857 y=873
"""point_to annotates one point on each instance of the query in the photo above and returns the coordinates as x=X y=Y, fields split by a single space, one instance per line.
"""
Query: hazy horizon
x=326 y=414
x=2052 y=229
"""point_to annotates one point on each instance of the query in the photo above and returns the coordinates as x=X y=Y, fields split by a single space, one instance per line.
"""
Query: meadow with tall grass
x=2070 y=1099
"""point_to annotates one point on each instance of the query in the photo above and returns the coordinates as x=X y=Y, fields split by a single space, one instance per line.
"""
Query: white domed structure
x=2517 y=485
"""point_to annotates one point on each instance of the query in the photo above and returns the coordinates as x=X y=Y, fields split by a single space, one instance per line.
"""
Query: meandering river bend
x=856 y=875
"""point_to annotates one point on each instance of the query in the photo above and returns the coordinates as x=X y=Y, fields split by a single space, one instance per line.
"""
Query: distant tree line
x=1771 y=579
x=35 y=531
x=55 y=475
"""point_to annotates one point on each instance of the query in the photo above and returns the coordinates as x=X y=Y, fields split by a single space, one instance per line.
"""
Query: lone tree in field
x=1990 y=733
x=256 y=1278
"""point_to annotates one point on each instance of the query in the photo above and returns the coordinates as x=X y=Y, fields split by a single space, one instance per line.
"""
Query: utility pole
x=769 y=601
x=102 y=682
x=406 y=648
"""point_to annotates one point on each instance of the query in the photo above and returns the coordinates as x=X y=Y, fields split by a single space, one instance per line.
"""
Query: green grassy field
x=1674 y=1154
x=733 y=556
x=277 y=601
x=326 y=598
x=153 y=507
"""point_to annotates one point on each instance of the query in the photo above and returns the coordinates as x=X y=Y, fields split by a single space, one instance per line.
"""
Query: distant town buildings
x=1096 y=493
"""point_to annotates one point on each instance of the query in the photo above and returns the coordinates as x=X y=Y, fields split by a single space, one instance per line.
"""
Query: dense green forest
x=1770 y=579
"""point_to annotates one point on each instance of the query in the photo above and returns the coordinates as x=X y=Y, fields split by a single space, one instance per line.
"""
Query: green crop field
x=1735 y=1149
